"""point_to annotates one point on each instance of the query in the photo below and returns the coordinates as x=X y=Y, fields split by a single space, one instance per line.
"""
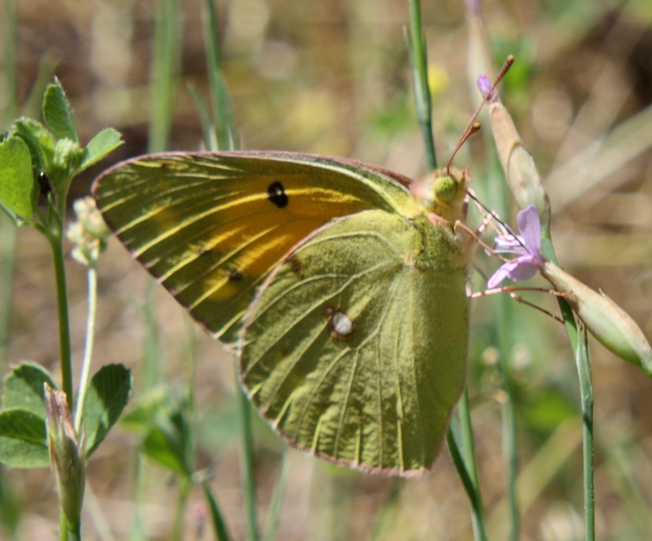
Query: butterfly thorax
x=440 y=249
x=442 y=192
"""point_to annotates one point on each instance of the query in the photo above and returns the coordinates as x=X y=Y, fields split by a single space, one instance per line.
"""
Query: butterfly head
x=443 y=192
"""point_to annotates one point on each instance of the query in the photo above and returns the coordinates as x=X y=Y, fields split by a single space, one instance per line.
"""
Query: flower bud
x=66 y=455
x=88 y=233
x=521 y=172
x=609 y=323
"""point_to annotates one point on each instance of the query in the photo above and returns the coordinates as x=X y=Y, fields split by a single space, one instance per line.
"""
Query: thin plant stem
x=10 y=62
x=468 y=453
x=455 y=449
x=8 y=235
x=150 y=361
x=164 y=69
x=191 y=363
x=580 y=346
x=510 y=455
x=224 y=131
x=219 y=525
x=508 y=414
x=8 y=229
x=55 y=236
x=277 y=500
x=94 y=508
x=464 y=454
x=583 y=362
x=165 y=64
x=88 y=347
x=249 y=485
x=220 y=99
x=417 y=48
x=184 y=492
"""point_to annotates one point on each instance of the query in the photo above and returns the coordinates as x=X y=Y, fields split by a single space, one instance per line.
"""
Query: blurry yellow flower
x=437 y=79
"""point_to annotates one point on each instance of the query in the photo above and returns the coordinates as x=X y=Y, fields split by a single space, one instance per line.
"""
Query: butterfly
x=341 y=287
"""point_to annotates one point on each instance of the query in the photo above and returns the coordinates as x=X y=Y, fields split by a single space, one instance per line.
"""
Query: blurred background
x=333 y=77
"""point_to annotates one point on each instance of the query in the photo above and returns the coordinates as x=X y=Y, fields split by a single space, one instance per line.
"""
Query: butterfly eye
x=445 y=188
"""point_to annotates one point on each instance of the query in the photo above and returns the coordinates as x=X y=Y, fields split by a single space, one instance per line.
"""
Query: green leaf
x=169 y=443
x=106 y=397
x=39 y=140
x=23 y=441
x=23 y=388
x=141 y=417
x=18 y=192
x=58 y=113
x=99 y=146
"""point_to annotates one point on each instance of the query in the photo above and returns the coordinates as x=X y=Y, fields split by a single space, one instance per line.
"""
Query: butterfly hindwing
x=211 y=226
x=355 y=346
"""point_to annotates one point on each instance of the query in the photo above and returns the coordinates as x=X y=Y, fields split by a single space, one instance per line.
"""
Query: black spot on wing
x=235 y=275
x=276 y=194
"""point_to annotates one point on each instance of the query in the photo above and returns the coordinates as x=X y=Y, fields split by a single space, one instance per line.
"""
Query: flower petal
x=503 y=272
x=509 y=244
x=525 y=269
x=484 y=84
x=529 y=226
x=521 y=268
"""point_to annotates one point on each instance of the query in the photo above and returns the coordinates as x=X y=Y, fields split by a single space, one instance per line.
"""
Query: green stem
x=55 y=236
x=249 y=485
x=165 y=65
x=220 y=99
x=277 y=500
x=150 y=361
x=581 y=348
x=583 y=361
x=468 y=453
x=68 y=532
x=10 y=61
x=510 y=452
x=8 y=233
x=508 y=413
x=417 y=48
x=88 y=348
x=8 y=230
x=219 y=525
x=184 y=492
x=63 y=526
x=462 y=450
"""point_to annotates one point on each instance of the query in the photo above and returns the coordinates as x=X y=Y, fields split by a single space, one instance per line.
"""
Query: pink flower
x=527 y=246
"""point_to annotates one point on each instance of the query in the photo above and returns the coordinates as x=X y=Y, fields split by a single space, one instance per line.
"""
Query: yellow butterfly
x=341 y=284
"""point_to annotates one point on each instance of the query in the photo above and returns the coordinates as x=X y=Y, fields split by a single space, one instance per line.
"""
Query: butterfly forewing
x=212 y=226
x=355 y=347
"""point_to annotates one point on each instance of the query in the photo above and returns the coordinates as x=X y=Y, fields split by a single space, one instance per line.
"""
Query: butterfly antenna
x=468 y=132
x=491 y=212
x=472 y=127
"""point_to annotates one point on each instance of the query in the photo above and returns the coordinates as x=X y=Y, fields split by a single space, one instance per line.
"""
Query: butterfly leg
x=511 y=291
x=463 y=227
